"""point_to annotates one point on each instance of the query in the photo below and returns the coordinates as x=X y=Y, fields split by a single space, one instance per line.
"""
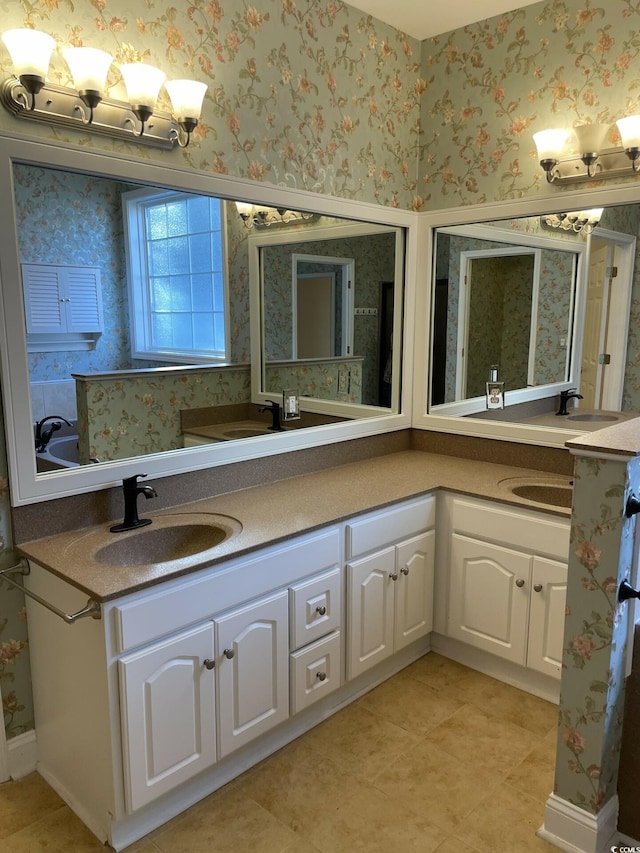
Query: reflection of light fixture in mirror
x=89 y=68
x=27 y=94
x=578 y=221
x=30 y=52
x=591 y=160
x=263 y=217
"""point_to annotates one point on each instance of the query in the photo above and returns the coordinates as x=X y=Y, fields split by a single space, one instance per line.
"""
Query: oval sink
x=246 y=432
x=545 y=494
x=167 y=539
x=593 y=416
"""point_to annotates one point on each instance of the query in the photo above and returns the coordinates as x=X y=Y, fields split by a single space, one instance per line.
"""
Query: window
x=176 y=269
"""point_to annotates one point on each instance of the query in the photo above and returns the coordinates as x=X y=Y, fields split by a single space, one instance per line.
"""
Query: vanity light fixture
x=258 y=216
x=591 y=160
x=577 y=221
x=28 y=94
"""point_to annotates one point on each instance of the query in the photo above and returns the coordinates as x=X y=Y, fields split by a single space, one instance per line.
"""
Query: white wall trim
x=577 y=831
x=22 y=754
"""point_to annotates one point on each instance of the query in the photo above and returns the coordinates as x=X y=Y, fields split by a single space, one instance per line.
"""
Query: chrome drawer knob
x=209 y=664
x=321 y=610
x=321 y=676
x=229 y=653
x=520 y=583
x=405 y=570
x=393 y=576
x=537 y=587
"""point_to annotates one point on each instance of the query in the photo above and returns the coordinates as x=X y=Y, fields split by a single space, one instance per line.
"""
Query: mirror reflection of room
x=538 y=304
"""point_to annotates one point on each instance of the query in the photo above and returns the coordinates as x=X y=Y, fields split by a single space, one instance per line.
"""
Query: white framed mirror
x=27 y=483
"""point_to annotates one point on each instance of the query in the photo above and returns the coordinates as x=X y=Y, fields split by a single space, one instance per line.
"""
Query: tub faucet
x=274 y=408
x=44 y=433
x=565 y=396
x=131 y=488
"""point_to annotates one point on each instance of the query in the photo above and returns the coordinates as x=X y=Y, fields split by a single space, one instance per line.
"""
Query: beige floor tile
x=370 y=821
x=516 y=706
x=25 y=801
x=454 y=845
x=505 y=816
x=232 y=823
x=535 y=774
x=411 y=704
x=430 y=782
x=441 y=673
x=299 y=786
x=493 y=743
x=361 y=742
x=58 y=832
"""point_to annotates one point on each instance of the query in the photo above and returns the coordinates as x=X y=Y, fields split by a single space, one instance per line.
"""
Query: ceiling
x=424 y=18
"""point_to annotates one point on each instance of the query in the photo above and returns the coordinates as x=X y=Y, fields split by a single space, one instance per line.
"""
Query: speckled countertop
x=277 y=512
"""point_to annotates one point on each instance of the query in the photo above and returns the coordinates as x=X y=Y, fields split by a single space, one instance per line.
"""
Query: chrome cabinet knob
x=393 y=576
x=537 y=587
x=209 y=664
x=321 y=676
x=404 y=570
x=321 y=610
x=520 y=583
x=229 y=653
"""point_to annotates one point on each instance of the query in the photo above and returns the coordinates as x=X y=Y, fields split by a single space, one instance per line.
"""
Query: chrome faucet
x=565 y=396
x=131 y=488
x=274 y=408
x=43 y=434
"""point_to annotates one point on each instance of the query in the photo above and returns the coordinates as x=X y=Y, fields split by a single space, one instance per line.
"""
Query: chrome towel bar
x=91 y=608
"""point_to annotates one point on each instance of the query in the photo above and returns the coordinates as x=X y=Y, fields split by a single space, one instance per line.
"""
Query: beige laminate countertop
x=278 y=511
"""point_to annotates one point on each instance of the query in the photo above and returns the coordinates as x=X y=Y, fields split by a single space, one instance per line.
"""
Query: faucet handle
x=131 y=482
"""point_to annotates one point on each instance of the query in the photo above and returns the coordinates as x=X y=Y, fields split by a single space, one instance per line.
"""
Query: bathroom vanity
x=200 y=665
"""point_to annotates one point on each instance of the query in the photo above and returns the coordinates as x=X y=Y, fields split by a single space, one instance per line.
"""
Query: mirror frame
x=561 y=200
x=26 y=486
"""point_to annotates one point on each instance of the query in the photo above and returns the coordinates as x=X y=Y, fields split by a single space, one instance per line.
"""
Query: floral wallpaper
x=124 y=416
x=324 y=380
x=592 y=698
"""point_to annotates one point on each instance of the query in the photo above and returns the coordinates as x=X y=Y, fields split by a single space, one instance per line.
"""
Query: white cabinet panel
x=253 y=672
x=315 y=671
x=415 y=562
x=547 y=615
x=371 y=610
x=168 y=714
x=315 y=607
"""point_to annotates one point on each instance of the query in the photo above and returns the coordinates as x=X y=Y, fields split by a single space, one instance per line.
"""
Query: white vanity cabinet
x=390 y=570
x=507 y=582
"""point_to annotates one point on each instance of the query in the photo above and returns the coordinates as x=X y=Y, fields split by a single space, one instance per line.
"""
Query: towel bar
x=92 y=608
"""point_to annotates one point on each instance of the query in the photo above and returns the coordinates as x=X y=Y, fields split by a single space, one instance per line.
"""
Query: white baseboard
x=577 y=831
x=22 y=754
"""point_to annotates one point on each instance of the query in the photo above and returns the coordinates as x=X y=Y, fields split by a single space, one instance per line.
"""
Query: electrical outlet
x=290 y=405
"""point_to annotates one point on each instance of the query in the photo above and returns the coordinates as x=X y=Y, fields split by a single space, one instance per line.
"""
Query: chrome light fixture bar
x=27 y=95
x=578 y=221
x=592 y=162
x=264 y=217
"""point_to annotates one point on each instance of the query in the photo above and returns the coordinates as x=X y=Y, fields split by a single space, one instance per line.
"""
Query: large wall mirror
x=540 y=309
x=75 y=217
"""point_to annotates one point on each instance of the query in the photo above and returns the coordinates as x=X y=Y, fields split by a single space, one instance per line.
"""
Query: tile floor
x=439 y=759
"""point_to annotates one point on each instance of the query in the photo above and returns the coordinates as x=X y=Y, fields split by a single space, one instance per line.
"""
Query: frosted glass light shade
x=629 y=128
x=591 y=137
x=143 y=83
x=550 y=143
x=89 y=67
x=30 y=51
x=186 y=98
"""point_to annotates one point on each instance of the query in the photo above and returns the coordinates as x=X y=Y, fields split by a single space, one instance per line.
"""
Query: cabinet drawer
x=315 y=608
x=382 y=528
x=524 y=530
x=315 y=671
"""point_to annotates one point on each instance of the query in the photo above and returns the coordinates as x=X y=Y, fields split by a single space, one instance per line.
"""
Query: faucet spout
x=131 y=489
x=44 y=433
x=274 y=408
x=565 y=396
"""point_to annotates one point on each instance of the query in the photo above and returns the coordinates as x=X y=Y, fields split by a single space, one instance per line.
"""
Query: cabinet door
x=489 y=597
x=371 y=610
x=43 y=302
x=546 y=616
x=253 y=670
x=415 y=561
x=167 y=699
